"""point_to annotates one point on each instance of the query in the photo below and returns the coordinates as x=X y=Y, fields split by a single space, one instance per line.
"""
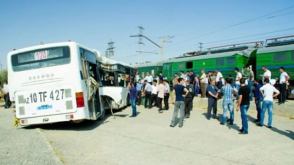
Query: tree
x=3 y=76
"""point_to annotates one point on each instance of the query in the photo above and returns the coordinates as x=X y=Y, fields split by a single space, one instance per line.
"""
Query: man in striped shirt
x=228 y=92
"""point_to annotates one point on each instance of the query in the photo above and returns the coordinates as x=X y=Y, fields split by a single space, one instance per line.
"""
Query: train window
x=231 y=61
x=219 y=62
x=292 y=56
x=181 y=65
x=279 y=57
x=189 y=65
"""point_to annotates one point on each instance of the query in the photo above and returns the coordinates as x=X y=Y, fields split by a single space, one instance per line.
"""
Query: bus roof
x=106 y=60
x=42 y=46
x=275 y=49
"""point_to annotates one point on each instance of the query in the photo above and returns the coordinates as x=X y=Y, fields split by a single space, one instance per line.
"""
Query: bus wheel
x=128 y=100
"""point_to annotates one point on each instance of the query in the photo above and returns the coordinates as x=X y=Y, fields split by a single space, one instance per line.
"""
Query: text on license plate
x=44 y=96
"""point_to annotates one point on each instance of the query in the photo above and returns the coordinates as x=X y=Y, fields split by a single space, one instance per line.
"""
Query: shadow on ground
x=82 y=126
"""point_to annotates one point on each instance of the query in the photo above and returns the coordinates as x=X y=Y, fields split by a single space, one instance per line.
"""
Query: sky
x=95 y=23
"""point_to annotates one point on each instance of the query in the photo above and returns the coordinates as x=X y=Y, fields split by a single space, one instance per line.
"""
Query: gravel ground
x=23 y=146
x=148 y=139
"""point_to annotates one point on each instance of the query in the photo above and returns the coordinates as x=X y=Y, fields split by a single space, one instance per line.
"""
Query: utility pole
x=200 y=46
x=140 y=42
x=110 y=50
x=164 y=39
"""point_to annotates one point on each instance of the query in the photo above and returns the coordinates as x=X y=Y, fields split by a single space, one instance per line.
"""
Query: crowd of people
x=187 y=86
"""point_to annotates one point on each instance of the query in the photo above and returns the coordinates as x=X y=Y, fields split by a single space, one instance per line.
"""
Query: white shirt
x=239 y=75
x=203 y=77
x=149 y=78
x=283 y=77
x=183 y=76
x=206 y=80
x=268 y=91
x=166 y=88
x=266 y=73
x=154 y=89
x=5 y=88
x=137 y=78
x=219 y=75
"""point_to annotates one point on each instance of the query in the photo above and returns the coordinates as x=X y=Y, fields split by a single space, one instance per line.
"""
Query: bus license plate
x=45 y=96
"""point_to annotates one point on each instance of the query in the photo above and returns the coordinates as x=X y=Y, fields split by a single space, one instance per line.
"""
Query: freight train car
x=225 y=60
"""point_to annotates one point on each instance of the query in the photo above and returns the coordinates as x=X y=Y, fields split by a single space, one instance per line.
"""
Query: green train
x=273 y=53
x=151 y=68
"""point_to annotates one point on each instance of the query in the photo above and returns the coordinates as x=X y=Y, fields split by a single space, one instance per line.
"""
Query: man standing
x=267 y=91
x=284 y=77
x=175 y=81
x=258 y=98
x=228 y=93
x=166 y=94
x=147 y=91
x=237 y=82
x=219 y=77
x=267 y=74
x=182 y=74
x=149 y=78
x=202 y=83
x=161 y=76
x=179 y=93
x=153 y=96
x=189 y=99
x=6 y=95
x=139 y=92
x=250 y=80
x=212 y=99
x=243 y=105
x=160 y=95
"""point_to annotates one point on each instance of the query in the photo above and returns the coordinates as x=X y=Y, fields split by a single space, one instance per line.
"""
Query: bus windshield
x=40 y=58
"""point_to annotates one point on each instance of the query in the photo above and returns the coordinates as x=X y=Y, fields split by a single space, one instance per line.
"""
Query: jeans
x=243 y=109
x=212 y=104
x=7 y=100
x=258 y=108
x=134 y=109
x=237 y=87
x=283 y=91
x=188 y=105
x=269 y=106
x=228 y=105
x=179 y=105
x=147 y=98
x=166 y=97
x=250 y=85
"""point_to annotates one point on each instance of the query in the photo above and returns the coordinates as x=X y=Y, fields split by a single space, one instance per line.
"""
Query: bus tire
x=128 y=100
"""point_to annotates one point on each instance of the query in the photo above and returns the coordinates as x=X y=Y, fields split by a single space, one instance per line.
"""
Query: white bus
x=115 y=77
x=54 y=83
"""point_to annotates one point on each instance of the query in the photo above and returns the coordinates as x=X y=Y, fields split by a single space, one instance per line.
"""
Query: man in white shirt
x=250 y=80
x=219 y=76
x=267 y=91
x=284 y=77
x=202 y=83
x=149 y=78
x=6 y=95
x=166 y=94
x=267 y=74
x=237 y=82
x=182 y=75
x=153 y=94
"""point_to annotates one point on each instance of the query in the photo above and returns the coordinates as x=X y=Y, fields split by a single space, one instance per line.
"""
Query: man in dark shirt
x=161 y=76
x=243 y=105
x=258 y=98
x=189 y=99
x=212 y=91
x=178 y=99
